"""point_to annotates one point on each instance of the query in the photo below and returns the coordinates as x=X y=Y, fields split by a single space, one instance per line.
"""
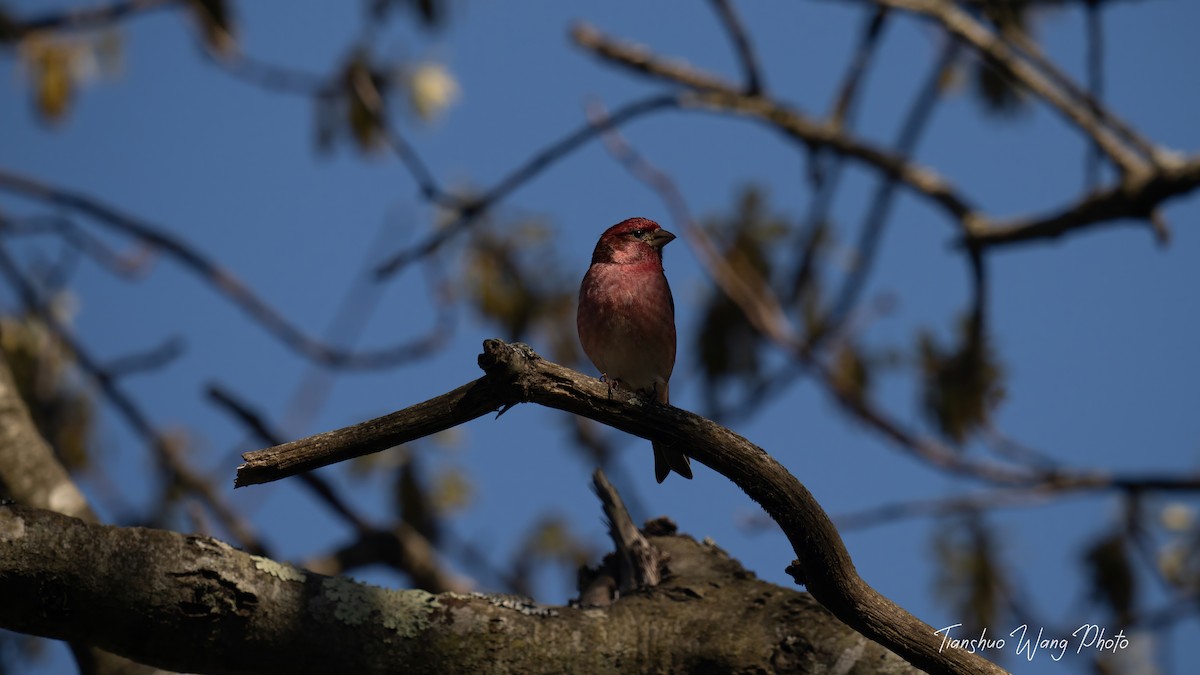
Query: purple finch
x=626 y=320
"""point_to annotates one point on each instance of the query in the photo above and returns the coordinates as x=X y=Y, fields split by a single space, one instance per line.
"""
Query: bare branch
x=468 y=402
x=1134 y=198
x=639 y=560
x=514 y=374
x=963 y=26
x=641 y=60
x=919 y=115
x=1143 y=186
x=867 y=45
x=125 y=266
x=271 y=76
x=146 y=360
x=706 y=93
x=469 y=210
x=1030 y=50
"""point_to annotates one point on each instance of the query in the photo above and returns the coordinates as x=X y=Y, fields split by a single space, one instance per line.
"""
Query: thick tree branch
x=195 y=604
x=516 y=375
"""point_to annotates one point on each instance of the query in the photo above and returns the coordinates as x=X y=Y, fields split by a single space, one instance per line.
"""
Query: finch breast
x=622 y=326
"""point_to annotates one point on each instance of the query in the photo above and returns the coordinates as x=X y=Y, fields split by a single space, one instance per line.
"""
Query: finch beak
x=661 y=238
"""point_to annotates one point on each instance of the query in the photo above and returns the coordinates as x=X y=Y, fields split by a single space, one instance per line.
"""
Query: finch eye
x=638 y=234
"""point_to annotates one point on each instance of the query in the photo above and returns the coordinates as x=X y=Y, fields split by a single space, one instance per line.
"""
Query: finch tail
x=667 y=459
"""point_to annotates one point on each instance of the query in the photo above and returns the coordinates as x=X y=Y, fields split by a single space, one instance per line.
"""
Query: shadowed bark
x=195 y=604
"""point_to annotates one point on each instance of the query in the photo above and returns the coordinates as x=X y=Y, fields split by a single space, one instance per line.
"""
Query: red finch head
x=626 y=319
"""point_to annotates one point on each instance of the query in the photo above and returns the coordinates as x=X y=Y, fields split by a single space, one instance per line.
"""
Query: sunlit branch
x=963 y=26
x=706 y=93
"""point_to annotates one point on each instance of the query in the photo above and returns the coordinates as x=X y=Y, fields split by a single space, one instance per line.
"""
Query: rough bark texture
x=195 y=604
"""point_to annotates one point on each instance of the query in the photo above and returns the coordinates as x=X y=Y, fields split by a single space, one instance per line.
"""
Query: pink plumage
x=626 y=319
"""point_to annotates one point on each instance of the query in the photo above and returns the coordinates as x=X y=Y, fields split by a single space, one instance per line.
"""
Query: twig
x=1095 y=78
x=469 y=210
x=867 y=44
x=124 y=266
x=254 y=421
x=641 y=60
x=877 y=214
x=146 y=360
x=267 y=75
x=965 y=27
x=826 y=168
x=1138 y=194
x=1030 y=50
x=705 y=94
x=751 y=71
x=638 y=559
x=466 y=403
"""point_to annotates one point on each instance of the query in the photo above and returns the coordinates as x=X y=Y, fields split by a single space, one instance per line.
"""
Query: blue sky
x=1097 y=331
